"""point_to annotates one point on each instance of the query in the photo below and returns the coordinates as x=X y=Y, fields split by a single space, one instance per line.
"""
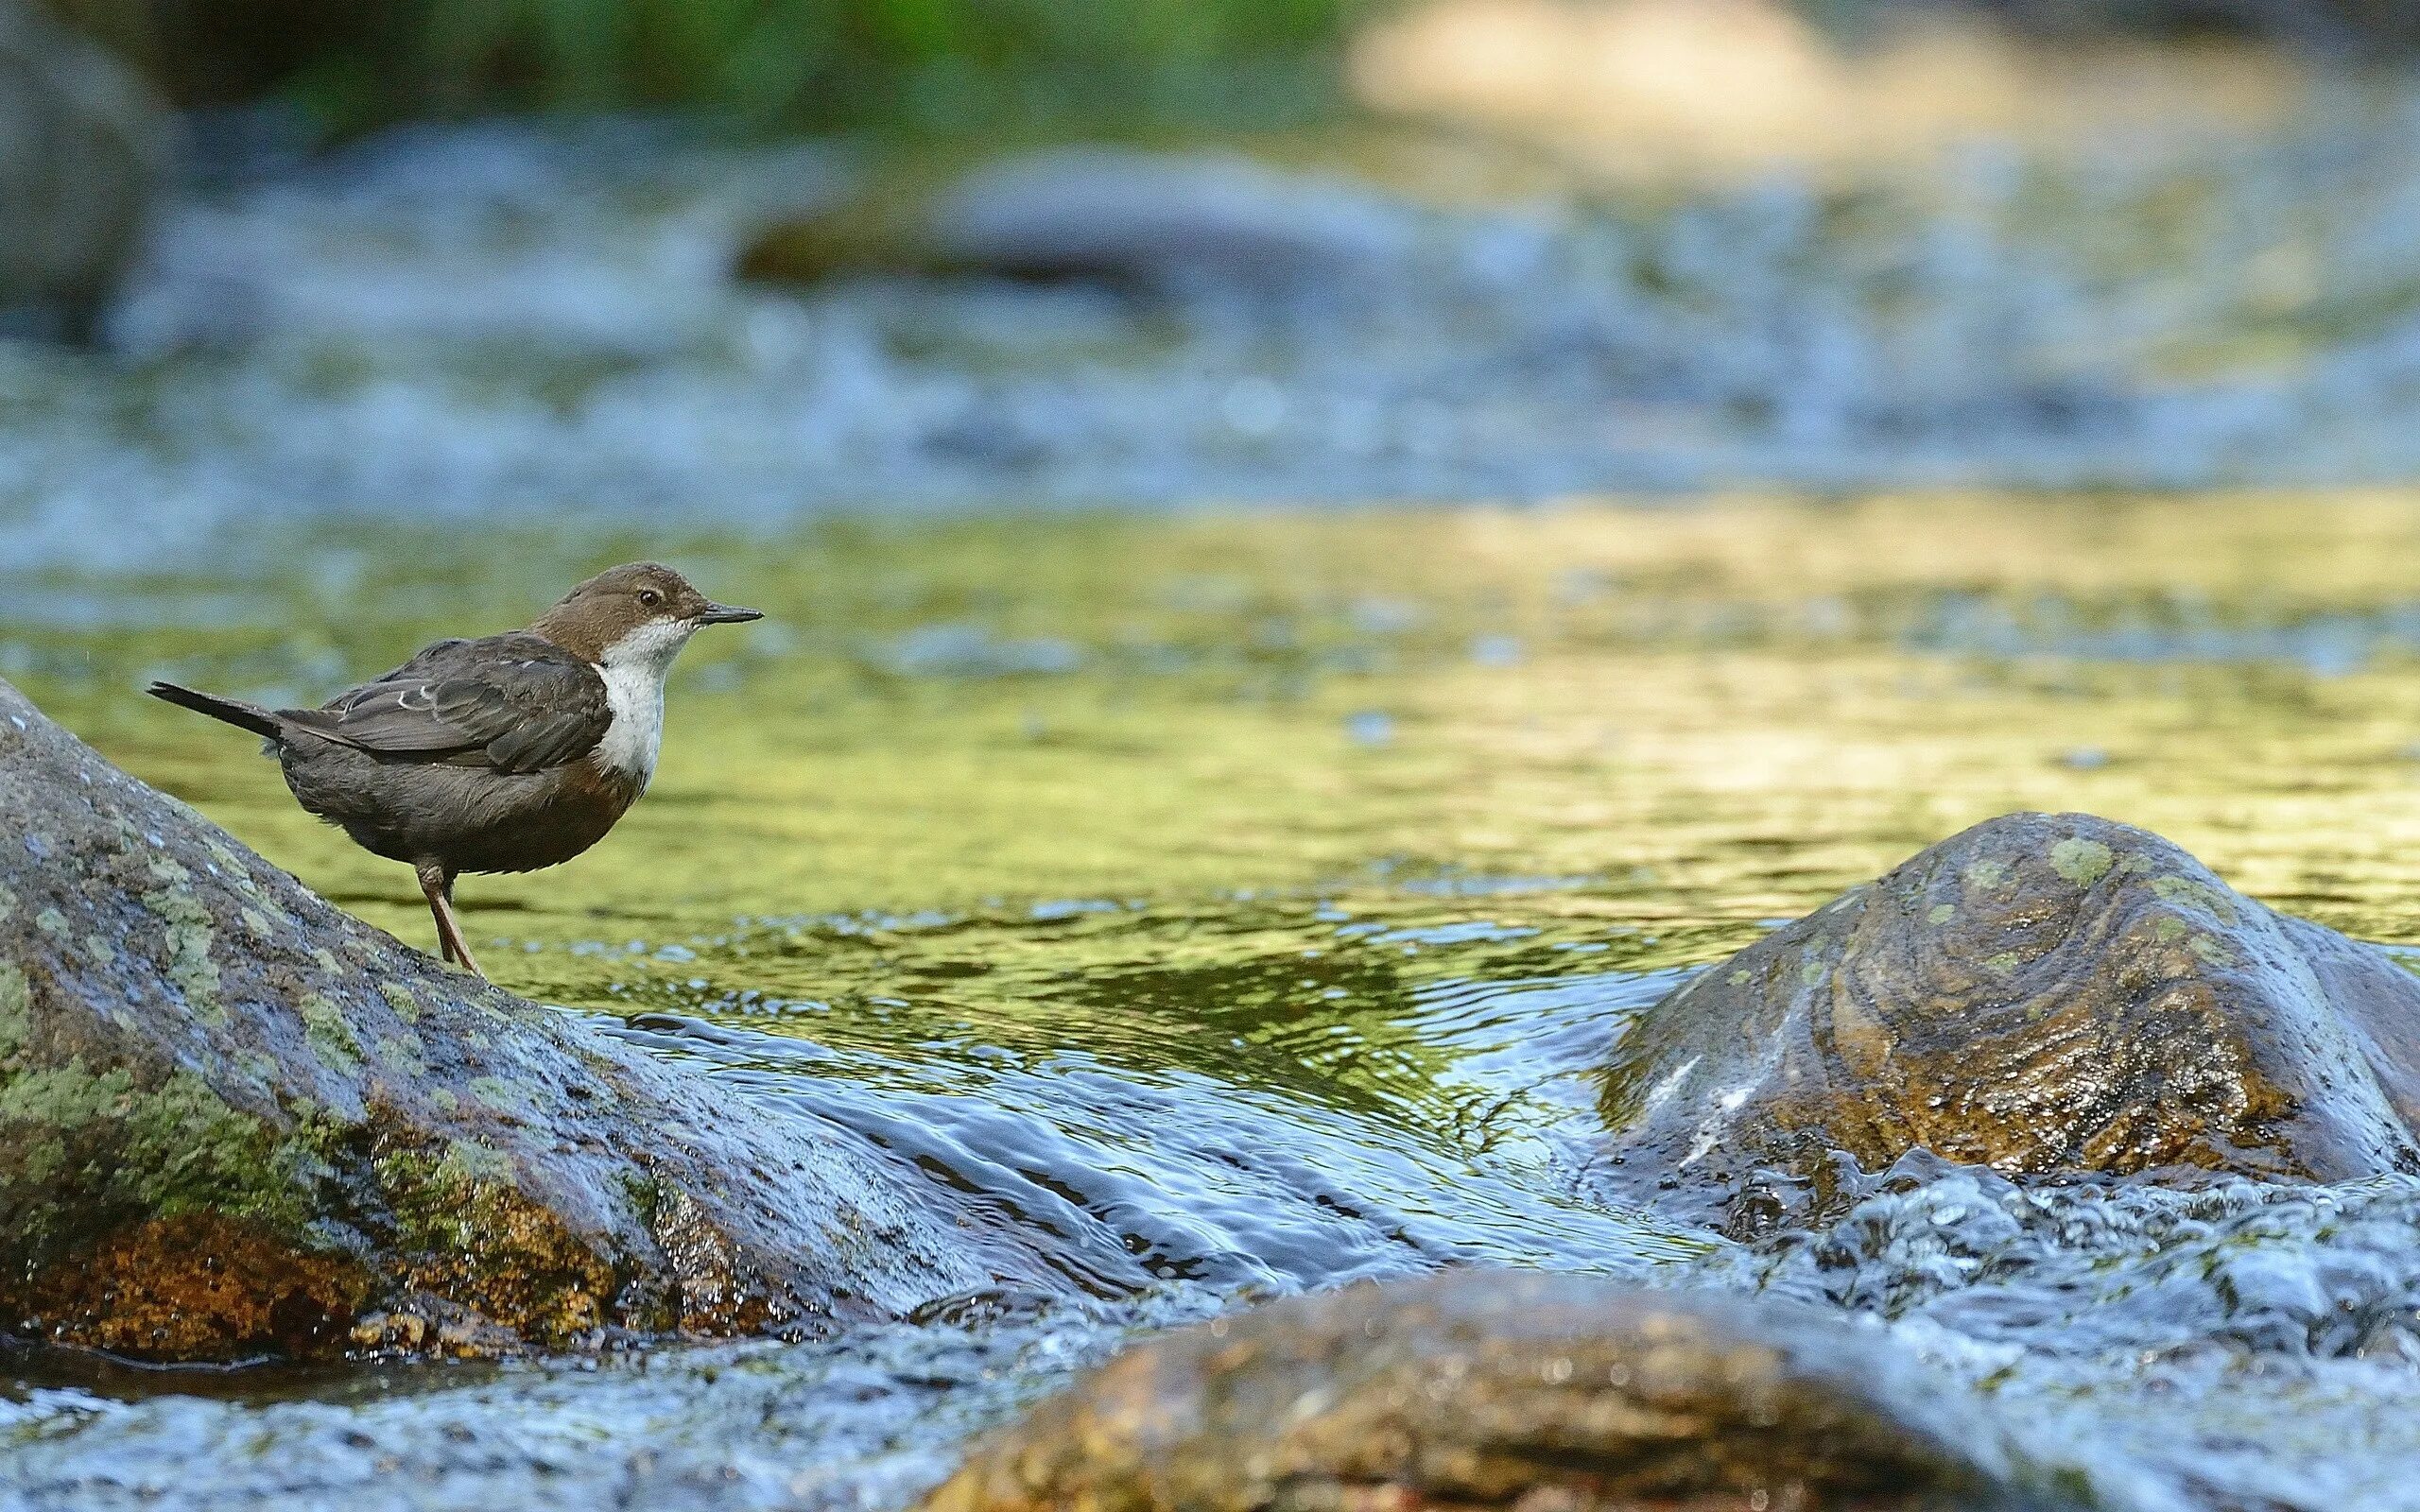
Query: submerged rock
x=2043 y=996
x=1103 y=214
x=1478 y=1389
x=236 y=1121
x=82 y=146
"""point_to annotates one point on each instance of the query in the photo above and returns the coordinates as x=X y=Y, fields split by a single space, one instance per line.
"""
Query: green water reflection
x=1229 y=793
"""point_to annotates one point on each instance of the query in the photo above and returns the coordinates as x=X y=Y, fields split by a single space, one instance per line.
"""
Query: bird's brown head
x=641 y=612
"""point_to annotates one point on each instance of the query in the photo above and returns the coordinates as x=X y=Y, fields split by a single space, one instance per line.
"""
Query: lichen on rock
x=2045 y=995
x=220 y=1141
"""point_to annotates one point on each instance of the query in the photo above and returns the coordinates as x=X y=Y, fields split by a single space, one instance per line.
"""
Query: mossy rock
x=2050 y=995
x=235 y=1120
x=1489 y=1389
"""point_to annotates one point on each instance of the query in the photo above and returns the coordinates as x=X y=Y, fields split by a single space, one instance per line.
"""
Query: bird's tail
x=235 y=712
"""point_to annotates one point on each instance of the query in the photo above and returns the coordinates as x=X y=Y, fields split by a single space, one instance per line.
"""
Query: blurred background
x=745 y=258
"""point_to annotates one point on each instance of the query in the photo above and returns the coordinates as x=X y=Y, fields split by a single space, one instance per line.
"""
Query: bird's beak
x=729 y=614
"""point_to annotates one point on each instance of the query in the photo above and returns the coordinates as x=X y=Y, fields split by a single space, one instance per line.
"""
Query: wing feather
x=516 y=702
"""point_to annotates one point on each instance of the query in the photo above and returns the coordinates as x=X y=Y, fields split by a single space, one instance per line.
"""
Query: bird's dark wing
x=515 y=702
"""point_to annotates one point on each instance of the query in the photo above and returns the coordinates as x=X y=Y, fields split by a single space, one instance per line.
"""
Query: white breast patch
x=633 y=668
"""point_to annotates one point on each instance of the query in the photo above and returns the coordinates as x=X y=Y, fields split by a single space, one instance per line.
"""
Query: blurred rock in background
x=82 y=144
x=1141 y=220
x=205 y=53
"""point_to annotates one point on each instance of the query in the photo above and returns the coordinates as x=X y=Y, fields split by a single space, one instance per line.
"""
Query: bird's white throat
x=633 y=668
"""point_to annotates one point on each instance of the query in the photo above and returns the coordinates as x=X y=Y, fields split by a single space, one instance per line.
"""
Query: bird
x=506 y=753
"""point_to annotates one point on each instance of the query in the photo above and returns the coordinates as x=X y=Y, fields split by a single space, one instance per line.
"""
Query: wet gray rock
x=1151 y=219
x=235 y=1120
x=82 y=146
x=2042 y=994
x=1478 y=1389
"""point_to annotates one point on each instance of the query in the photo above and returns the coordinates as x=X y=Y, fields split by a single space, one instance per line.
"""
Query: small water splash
x=1235 y=1120
x=2237 y=1343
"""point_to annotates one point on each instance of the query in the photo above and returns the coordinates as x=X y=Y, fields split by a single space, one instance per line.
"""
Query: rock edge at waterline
x=236 y=1121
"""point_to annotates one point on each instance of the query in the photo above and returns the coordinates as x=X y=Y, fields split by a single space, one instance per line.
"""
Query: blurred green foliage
x=945 y=63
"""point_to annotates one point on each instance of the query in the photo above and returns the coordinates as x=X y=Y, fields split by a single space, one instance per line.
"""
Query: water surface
x=1245 y=898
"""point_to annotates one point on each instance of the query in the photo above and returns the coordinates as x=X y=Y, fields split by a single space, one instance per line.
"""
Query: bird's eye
x=649 y=597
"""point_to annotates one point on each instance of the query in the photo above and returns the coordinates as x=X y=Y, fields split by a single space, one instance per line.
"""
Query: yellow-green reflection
x=1641 y=729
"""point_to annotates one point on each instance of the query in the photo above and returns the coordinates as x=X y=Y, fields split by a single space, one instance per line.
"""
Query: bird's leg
x=437 y=886
x=461 y=946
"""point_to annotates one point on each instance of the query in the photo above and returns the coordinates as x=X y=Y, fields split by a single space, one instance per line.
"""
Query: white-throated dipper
x=506 y=753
